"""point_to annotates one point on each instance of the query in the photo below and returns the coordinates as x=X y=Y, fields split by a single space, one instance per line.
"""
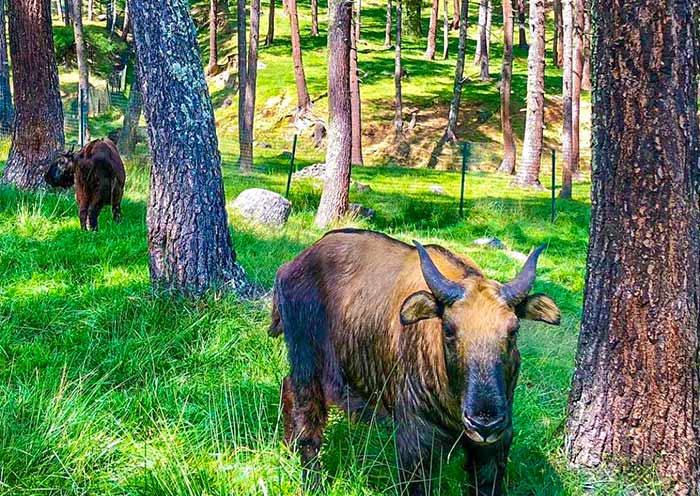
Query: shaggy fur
x=340 y=305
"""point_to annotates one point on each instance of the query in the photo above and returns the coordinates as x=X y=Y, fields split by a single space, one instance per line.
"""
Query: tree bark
x=635 y=394
x=38 y=126
x=529 y=171
x=522 y=37
x=357 y=16
x=577 y=69
x=314 y=18
x=445 y=31
x=482 y=46
x=188 y=238
x=586 y=71
x=248 y=115
x=508 y=163
x=126 y=25
x=67 y=18
x=451 y=128
x=7 y=110
x=567 y=93
x=398 y=73
x=242 y=83
x=213 y=45
x=270 y=37
x=303 y=98
x=483 y=7
x=130 y=126
x=455 y=14
x=387 y=26
x=558 y=39
x=91 y=10
x=432 y=31
x=83 y=69
x=413 y=25
x=355 y=99
x=334 y=199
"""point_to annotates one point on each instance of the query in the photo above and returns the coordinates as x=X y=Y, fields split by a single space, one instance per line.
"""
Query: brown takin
x=99 y=177
x=419 y=334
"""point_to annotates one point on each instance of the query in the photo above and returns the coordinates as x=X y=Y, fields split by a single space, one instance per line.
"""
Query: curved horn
x=446 y=291
x=517 y=290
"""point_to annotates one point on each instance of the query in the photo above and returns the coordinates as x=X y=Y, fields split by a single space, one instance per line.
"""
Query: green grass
x=108 y=389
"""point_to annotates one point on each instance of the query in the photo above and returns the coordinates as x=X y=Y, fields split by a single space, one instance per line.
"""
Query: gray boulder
x=263 y=207
x=494 y=243
x=437 y=190
x=357 y=210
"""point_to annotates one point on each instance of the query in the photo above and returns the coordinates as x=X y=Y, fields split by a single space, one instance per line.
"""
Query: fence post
x=291 y=166
x=465 y=153
x=554 y=183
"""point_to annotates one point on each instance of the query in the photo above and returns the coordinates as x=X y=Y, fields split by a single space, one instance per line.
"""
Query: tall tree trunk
x=270 y=37
x=387 y=26
x=635 y=395
x=413 y=25
x=567 y=93
x=83 y=69
x=247 y=97
x=577 y=68
x=91 y=10
x=242 y=79
x=451 y=128
x=432 y=31
x=455 y=14
x=334 y=199
x=303 y=98
x=127 y=138
x=67 y=18
x=358 y=20
x=558 y=38
x=355 y=99
x=445 y=31
x=7 y=110
x=508 y=162
x=482 y=46
x=398 y=74
x=522 y=38
x=213 y=46
x=314 y=18
x=586 y=71
x=38 y=126
x=188 y=237
x=529 y=171
x=126 y=25
x=59 y=9
x=483 y=8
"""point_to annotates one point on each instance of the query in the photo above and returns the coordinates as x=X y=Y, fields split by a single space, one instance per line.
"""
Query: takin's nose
x=484 y=429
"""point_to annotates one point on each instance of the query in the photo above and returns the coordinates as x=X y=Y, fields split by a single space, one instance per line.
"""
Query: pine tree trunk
x=242 y=73
x=455 y=14
x=432 y=31
x=83 y=69
x=558 y=39
x=445 y=31
x=303 y=98
x=67 y=18
x=7 y=110
x=528 y=174
x=482 y=58
x=387 y=25
x=577 y=69
x=586 y=71
x=130 y=126
x=38 y=126
x=567 y=93
x=357 y=16
x=91 y=10
x=334 y=199
x=270 y=37
x=413 y=25
x=248 y=97
x=314 y=18
x=483 y=7
x=508 y=163
x=398 y=73
x=450 y=130
x=355 y=101
x=127 y=22
x=213 y=46
x=522 y=37
x=188 y=238
x=635 y=395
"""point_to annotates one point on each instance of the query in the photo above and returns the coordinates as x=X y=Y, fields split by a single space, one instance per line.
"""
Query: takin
x=418 y=335
x=98 y=173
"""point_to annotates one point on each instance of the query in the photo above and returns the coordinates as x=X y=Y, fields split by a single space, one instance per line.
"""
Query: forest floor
x=106 y=388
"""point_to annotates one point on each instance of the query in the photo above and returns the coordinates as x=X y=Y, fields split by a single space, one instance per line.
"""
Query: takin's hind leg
x=116 y=200
x=287 y=399
x=309 y=422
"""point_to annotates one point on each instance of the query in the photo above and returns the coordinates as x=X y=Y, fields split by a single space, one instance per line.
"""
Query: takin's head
x=480 y=320
x=61 y=172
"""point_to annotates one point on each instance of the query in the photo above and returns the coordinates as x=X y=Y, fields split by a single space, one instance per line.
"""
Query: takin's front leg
x=93 y=213
x=486 y=465
x=117 y=190
x=415 y=459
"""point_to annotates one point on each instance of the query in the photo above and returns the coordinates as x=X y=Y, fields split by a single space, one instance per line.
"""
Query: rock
x=228 y=102
x=315 y=171
x=357 y=210
x=361 y=188
x=224 y=80
x=263 y=207
x=494 y=243
x=264 y=145
x=438 y=190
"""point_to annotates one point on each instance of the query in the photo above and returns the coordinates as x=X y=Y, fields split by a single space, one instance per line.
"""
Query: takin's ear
x=539 y=307
x=419 y=306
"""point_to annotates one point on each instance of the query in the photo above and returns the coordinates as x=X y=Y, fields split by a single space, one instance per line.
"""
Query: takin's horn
x=517 y=290
x=446 y=291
